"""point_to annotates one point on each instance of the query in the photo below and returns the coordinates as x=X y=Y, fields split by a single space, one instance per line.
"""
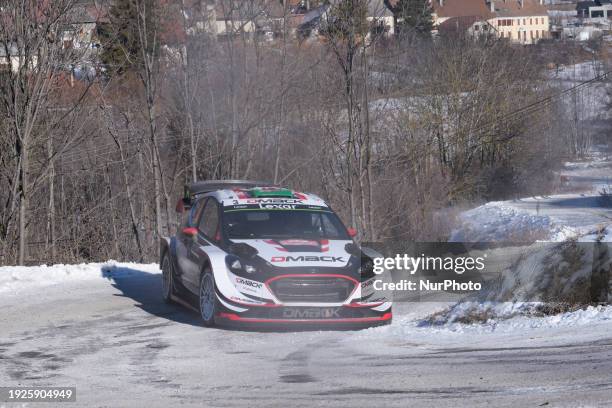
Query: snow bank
x=568 y=272
x=476 y=312
x=554 y=268
x=539 y=279
x=509 y=317
x=586 y=325
x=17 y=278
x=513 y=321
x=499 y=221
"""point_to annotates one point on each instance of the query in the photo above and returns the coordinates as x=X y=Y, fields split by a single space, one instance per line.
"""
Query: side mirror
x=190 y=231
x=180 y=206
x=352 y=232
x=352 y=249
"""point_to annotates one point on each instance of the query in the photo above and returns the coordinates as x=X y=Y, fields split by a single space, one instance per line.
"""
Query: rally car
x=253 y=254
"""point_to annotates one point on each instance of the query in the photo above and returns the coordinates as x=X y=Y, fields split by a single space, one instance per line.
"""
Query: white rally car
x=251 y=254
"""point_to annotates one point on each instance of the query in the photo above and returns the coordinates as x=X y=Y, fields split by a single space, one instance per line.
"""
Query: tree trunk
x=128 y=191
x=112 y=213
x=51 y=211
x=23 y=202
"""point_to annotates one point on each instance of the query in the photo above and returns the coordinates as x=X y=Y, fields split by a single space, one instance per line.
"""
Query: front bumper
x=305 y=318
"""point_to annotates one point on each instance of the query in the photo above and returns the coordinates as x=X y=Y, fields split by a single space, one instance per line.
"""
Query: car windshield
x=282 y=224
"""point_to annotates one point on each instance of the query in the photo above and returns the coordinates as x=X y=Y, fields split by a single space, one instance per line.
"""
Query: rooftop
x=459 y=24
x=519 y=8
x=461 y=8
x=482 y=8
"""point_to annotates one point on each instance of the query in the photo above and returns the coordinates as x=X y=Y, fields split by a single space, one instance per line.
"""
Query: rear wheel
x=208 y=298
x=167 y=285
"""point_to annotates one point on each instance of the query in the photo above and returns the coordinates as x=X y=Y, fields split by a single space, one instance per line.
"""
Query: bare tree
x=31 y=43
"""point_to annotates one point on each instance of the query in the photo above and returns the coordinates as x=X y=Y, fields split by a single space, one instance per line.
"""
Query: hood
x=300 y=252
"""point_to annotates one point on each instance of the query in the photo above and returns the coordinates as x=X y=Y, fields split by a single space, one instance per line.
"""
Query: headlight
x=235 y=265
x=367 y=267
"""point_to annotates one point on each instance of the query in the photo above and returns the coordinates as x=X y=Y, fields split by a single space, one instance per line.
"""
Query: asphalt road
x=120 y=345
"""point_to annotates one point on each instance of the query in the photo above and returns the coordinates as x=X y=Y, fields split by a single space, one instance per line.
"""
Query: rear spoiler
x=191 y=191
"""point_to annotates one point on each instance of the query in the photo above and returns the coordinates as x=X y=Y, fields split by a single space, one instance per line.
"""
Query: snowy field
x=104 y=329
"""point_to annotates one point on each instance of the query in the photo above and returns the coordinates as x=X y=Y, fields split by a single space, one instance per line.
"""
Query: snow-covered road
x=104 y=329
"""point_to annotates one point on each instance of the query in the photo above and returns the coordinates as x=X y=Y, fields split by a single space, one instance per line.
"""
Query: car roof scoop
x=243 y=250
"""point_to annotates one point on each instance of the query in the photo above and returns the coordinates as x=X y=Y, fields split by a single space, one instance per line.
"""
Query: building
x=380 y=19
x=522 y=21
x=11 y=58
x=234 y=17
x=519 y=21
x=268 y=18
x=83 y=20
x=594 y=9
x=603 y=11
x=466 y=9
x=582 y=8
x=474 y=26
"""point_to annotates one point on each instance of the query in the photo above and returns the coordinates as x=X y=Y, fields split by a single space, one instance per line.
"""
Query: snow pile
x=477 y=312
x=498 y=221
x=508 y=317
x=545 y=278
x=16 y=278
x=562 y=269
x=515 y=327
x=566 y=272
x=603 y=234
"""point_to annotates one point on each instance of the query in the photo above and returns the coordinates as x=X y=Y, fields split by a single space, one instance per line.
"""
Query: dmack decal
x=298 y=242
x=250 y=283
x=274 y=201
x=307 y=259
x=368 y=283
x=327 y=313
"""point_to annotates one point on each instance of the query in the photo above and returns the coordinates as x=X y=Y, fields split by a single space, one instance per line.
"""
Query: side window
x=209 y=221
x=328 y=226
x=194 y=212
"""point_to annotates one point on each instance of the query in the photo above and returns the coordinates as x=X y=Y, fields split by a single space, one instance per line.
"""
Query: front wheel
x=167 y=284
x=208 y=298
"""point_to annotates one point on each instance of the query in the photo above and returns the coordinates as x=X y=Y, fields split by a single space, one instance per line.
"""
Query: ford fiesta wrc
x=253 y=255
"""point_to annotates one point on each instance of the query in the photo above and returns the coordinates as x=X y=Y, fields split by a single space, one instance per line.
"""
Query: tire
x=208 y=303
x=167 y=279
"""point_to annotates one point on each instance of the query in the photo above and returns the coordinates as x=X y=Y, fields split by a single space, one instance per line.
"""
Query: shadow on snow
x=145 y=289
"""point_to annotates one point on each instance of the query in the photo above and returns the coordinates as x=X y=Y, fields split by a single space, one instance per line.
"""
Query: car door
x=207 y=224
x=185 y=244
